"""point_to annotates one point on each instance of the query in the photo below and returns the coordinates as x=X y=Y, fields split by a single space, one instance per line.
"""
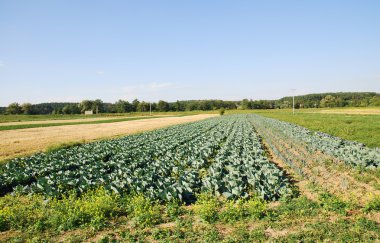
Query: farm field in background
x=239 y=177
x=349 y=110
x=25 y=118
x=20 y=142
x=356 y=127
x=52 y=123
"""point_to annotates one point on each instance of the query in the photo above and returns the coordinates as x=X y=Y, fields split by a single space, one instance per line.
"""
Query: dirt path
x=27 y=141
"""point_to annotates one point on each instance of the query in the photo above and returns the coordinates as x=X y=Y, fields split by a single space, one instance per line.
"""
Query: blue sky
x=206 y=49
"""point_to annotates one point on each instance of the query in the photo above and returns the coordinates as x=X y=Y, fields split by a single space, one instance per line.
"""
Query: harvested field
x=69 y=121
x=351 y=111
x=15 y=143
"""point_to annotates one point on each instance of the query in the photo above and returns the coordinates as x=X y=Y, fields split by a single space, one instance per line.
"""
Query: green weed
x=373 y=204
x=143 y=210
x=332 y=203
x=207 y=207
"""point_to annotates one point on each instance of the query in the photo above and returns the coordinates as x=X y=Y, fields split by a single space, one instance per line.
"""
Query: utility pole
x=293 y=104
x=293 y=91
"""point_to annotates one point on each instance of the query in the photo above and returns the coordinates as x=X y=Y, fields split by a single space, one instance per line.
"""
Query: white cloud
x=2 y=64
x=100 y=72
x=378 y=76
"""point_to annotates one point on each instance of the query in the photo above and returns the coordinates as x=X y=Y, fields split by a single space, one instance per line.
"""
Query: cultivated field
x=360 y=128
x=26 y=141
x=232 y=178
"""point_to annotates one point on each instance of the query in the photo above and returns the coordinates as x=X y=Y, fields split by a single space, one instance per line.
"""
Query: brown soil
x=4 y=236
x=21 y=142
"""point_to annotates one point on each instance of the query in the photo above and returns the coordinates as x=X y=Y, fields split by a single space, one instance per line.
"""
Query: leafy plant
x=332 y=203
x=207 y=207
x=232 y=211
x=373 y=204
x=221 y=111
x=143 y=211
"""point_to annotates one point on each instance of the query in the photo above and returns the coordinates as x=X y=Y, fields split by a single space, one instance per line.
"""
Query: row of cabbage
x=223 y=155
x=351 y=153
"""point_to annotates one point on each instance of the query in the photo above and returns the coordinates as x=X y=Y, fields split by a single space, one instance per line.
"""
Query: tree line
x=120 y=106
x=344 y=99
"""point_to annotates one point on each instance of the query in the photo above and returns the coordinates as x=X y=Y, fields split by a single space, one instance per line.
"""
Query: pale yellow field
x=354 y=111
x=20 y=142
x=69 y=121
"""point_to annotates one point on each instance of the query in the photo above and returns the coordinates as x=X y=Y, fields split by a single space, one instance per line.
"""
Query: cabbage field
x=351 y=153
x=241 y=178
x=221 y=155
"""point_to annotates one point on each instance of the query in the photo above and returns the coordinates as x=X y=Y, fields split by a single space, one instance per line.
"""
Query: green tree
x=135 y=104
x=97 y=106
x=328 y=101
x=14 y=109
x=26 y=108
x=285 y=105
x=162 y=106
x=375 y=101
x=86 y=105
x=245 y=104
x=122 y=106
x=143 y=106
x=70 y=109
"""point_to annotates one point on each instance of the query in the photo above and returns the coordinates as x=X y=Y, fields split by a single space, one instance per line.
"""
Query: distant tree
x=71 y=109
x=97 y=106
x=26 y=108
x=143 y=106
x=122 y=106
x=14 y=109
x=179 y=106
x=135 y=104
x=57 y=111
x=109 y=108
x=285 y=105
x=205 y=105
x=192 y=106
x=245 y=104
x=85 y=105
x=162 y=106
x=375 y=101
x=328 y=101
x=66 y=109
x=365 y=102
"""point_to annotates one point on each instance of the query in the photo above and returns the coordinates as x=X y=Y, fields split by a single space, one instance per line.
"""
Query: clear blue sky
x=151 y=50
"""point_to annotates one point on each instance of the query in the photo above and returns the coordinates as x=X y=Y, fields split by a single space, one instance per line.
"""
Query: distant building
x=88 y=112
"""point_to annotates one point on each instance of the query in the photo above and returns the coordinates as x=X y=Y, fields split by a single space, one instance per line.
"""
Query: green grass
x=361 y=128
x=136 y=218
